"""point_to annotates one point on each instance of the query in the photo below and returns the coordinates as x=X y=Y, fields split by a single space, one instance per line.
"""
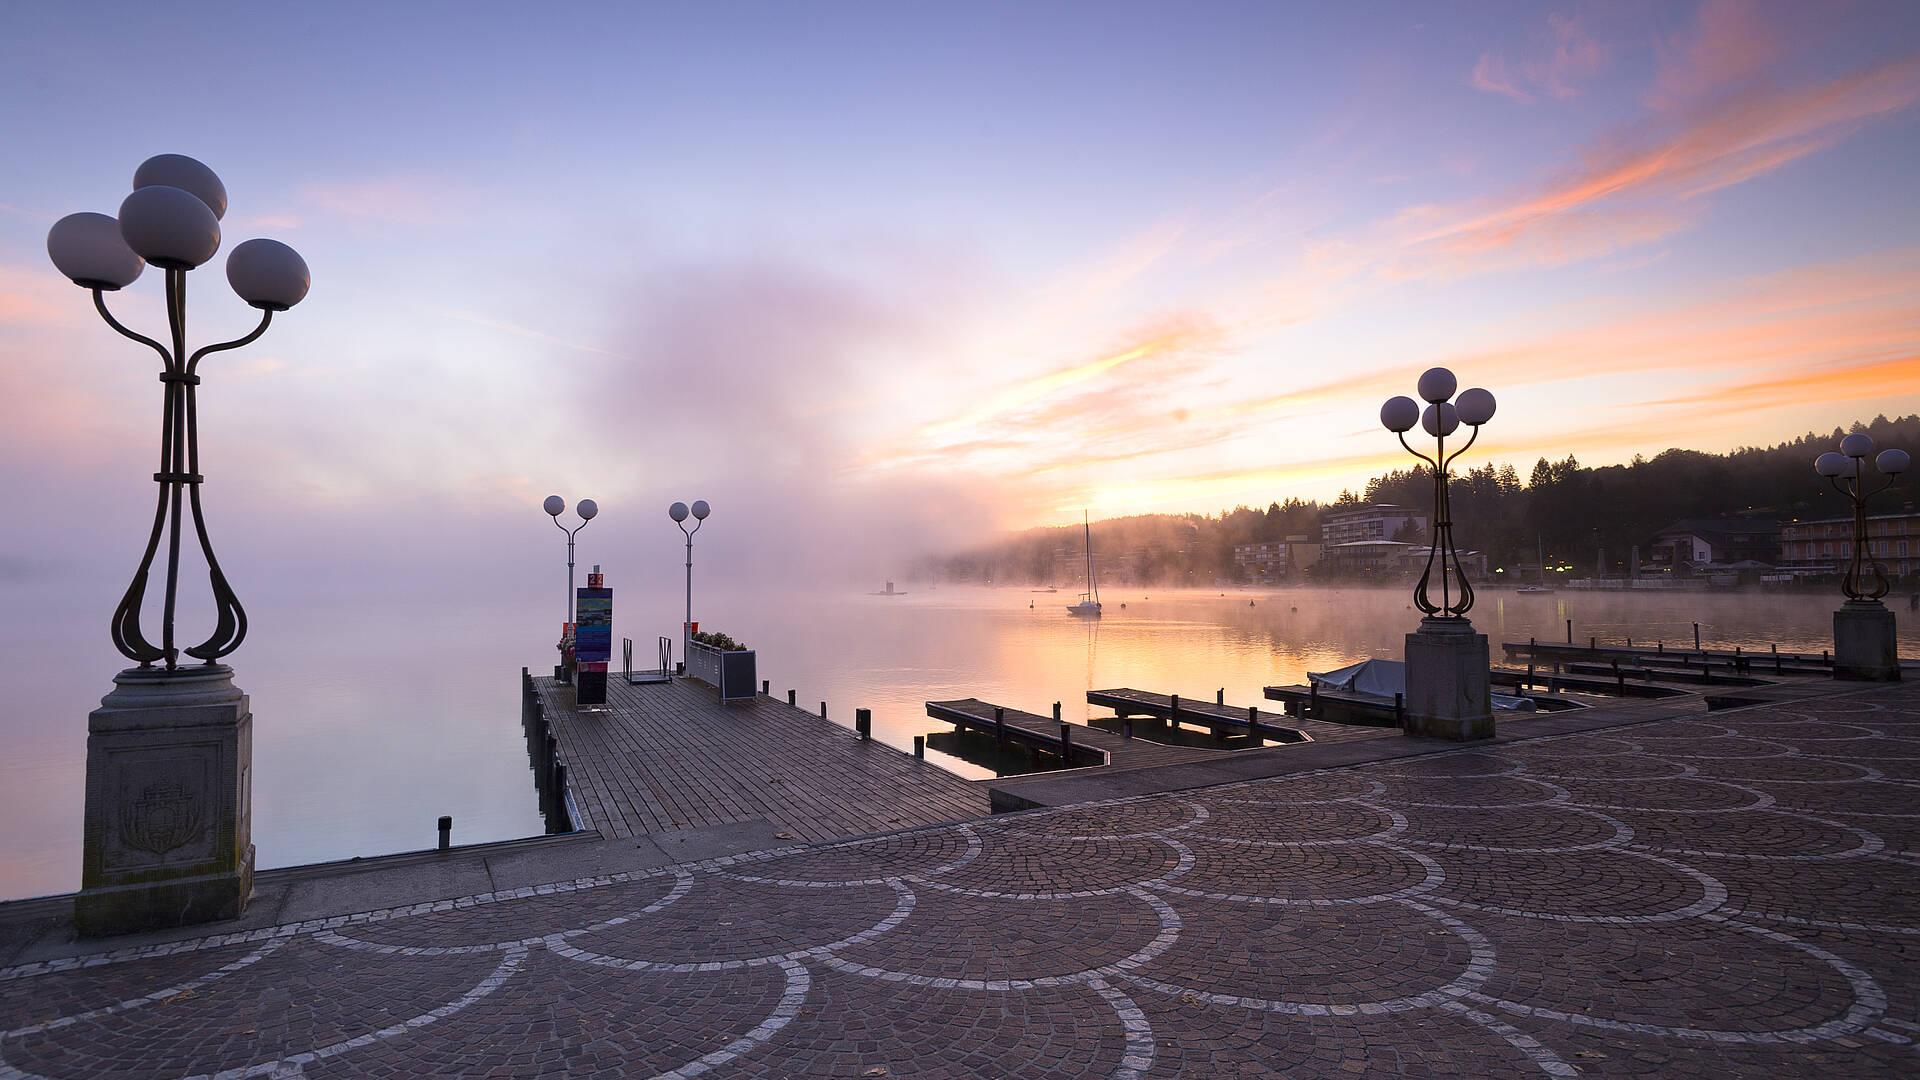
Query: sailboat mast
x=1093 y=585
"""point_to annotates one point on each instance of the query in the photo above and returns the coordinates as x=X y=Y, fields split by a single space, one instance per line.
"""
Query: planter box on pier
x=735 y=674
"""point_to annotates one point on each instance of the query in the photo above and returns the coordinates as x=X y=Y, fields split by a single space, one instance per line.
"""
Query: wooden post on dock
x=1173 y=714
x=1126 y=727
x=446 y=832
x=1000 y=725
x=1066 y=744
x=766 y=687
x=823 y=710
x=1253 y=724
x=1529 y=675
x=1593 y=643
x=1776 y=659
x=791 y=704
x=1660 y=647
x=863 y=723
x=1696 y=637
x=1056 y=712
x=920 y=747
x=1619 y=680
x=1220 y=696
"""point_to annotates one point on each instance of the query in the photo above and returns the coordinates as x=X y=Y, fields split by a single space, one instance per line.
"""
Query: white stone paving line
x=1481 y=963
x=1866 y=843
x=1546 y=1060
x=904 y=903
x=682 y=884
x=1137 y=1060
x=1868 y=1005
x=1396 y=825
x=246 y=961
x=798 y=983
x=279 y=1067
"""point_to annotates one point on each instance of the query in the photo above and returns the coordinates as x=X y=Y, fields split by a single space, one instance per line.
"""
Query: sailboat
x=1089 y=605
x=1540 y=589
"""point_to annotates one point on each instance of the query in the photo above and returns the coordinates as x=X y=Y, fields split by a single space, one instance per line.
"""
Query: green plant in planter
x=718 y=641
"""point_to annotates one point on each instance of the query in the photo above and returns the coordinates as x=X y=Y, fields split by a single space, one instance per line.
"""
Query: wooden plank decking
x=669 y=755
x=1035 y=730
x=1215 y=715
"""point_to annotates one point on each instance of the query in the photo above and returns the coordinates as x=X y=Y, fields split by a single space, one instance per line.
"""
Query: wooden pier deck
x=1215 y=715
x=666 y=756
x=1032 y=729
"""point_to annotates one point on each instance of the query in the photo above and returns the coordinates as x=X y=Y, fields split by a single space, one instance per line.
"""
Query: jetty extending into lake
x=669 y=755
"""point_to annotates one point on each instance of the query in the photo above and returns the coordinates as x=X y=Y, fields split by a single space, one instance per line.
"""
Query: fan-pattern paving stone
x=1734 y=895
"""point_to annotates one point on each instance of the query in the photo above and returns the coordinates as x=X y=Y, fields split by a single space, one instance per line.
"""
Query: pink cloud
x=1728 y=44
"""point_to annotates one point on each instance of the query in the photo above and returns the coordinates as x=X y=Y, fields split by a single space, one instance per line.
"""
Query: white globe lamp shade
x=701 y=509
x=183 y=172
x=1400 y=413
x=168 y=227
x=1440 y=419
x=678 y=511
x=587 y=509
x=554 y=505
x=1858 y=444
x=1437 y=385
x=1832 y=464
x=88 y=249
x=268 y=274
x=1476 y=407
x=1892 y=462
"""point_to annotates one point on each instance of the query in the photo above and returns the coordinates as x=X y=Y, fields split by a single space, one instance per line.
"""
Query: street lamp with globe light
x=168 y=828
x=172 y=220
x=1865 y=640
x=1440 y=419
x=679 y=512
x=1447 y=682
x=588 y=510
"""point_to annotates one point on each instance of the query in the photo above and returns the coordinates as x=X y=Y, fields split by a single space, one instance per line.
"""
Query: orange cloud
x=1625 y=191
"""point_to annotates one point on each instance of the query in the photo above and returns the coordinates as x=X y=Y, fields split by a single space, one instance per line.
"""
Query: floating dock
x=1215 y=715
x=1092 y=747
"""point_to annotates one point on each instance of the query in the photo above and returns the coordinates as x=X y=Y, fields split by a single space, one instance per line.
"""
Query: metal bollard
x=446 y=832
x=766 y=687
x=823 y=710
x=863 y=723
x=920 y=746
x=791 y=704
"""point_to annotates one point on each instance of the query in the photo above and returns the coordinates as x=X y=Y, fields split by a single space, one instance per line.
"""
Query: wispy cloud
x=1563 y=56
x=401 y=199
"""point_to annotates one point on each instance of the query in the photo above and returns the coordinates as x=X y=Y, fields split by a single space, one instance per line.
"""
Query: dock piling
x=1696 y=637
x=446 y=832
x=863 y=723
x=1593 y=643
x=1569 y=631
x=1066 y=744
x=1220 y=696
x=766 y=687
x=920 y=747
x=1056 y=712
x=1000 y=724
x=1173 y=714
x=791 y=704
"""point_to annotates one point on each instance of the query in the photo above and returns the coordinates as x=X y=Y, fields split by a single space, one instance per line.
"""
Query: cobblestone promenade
x=1735 y=894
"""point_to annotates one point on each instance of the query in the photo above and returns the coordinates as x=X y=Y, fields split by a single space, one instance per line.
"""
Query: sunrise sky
x=929 y=269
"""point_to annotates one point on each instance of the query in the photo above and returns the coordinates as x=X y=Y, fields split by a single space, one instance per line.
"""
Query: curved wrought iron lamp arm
x=100 y=305
x=266 y=316
x=1455 y=456
x=1403 y=442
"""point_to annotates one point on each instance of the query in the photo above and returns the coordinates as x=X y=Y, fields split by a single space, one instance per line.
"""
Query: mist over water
x=376 y=711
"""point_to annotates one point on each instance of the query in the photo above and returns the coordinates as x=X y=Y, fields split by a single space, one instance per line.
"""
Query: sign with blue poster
x=593 y=629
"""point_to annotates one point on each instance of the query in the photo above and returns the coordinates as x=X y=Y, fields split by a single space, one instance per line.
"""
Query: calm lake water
x=371 y=722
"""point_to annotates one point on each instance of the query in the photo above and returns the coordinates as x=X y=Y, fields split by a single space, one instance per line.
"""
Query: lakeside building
x=1822 y=547
x=1723 y=542
x=1389 y=559
x=1374 y=521
x=1274 y=561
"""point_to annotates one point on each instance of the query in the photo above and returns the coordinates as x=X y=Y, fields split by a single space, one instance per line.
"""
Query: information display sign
x=593 y=632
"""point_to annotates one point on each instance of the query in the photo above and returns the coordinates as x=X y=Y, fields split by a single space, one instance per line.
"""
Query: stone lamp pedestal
x=1864 y=646
x=1447 y=695
x=169 y=819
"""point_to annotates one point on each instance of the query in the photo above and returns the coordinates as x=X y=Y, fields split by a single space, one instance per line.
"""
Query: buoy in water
x=1296 y=607
x=1249 y=603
